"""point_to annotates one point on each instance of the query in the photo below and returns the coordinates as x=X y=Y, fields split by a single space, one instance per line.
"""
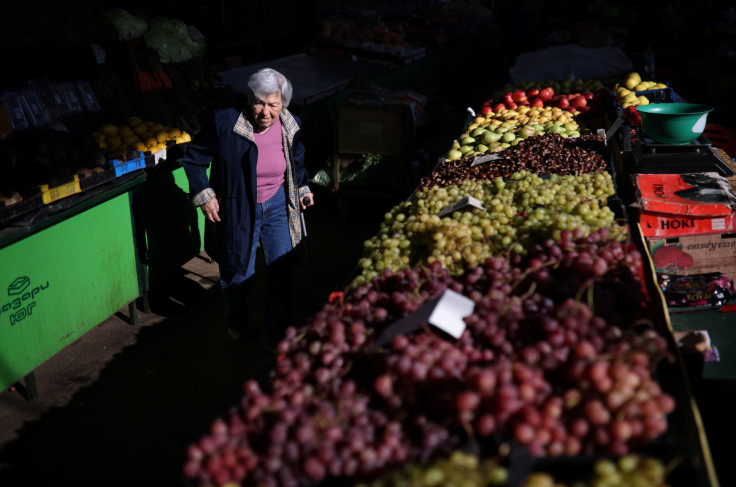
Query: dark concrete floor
x=119 y=406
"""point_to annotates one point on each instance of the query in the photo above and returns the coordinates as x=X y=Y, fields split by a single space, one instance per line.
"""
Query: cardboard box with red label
x=684 y=204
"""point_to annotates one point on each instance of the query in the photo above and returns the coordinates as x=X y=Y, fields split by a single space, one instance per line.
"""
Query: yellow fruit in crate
x=140 y=147
x=113 y=142
x=131 y=139
x=174 y=132
x=630 y=98
x=150 y=142
x=149 y=123
x=631 y=83
x=125 y=131
x=140 y=129
x=133 y=121
x=109 y=129
x=162 y=135
x=156 y=127
x=159 y=146
x=643 y=100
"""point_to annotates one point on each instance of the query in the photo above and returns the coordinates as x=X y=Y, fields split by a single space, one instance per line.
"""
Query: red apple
x=512 y=106
x=508 y=98
x=519 y=95
x=563 y=102
x=498 y=107
x=588 y=95
x=579 y=101
x=486 y=109
x=546 y=93
x=537 y=102
x=531 y=92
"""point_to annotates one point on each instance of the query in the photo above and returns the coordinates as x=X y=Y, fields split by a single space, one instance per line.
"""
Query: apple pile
x=497 y=131
x=544 y=97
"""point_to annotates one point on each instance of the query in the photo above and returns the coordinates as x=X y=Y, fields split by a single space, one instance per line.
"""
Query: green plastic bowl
x=673 y=123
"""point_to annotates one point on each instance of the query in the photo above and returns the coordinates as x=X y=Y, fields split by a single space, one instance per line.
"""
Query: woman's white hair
x=268 y=81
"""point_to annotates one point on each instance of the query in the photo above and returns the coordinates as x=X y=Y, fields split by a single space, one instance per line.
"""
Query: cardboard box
x=662 y=224
x=374 y=128
x=694 y=254
x=684 y=204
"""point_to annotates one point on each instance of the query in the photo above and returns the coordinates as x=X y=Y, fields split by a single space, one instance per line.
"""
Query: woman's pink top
x=271 y=165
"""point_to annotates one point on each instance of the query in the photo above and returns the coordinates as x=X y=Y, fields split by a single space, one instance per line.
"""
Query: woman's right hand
x=211 y=210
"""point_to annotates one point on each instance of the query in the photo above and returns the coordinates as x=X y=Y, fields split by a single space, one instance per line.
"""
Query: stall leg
x=146 y=303
x=27 y=388
x=133 y=313
x=31 y=387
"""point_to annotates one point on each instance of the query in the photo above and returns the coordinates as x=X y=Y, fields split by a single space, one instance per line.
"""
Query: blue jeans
x=272 y=232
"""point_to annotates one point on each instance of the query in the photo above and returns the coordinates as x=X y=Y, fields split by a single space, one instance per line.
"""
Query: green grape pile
x=459 y=469
x=630 y=470
x=516 y=213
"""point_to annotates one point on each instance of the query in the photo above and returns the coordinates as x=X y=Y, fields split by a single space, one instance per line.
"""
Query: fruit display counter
x=503 y=328
x=63 y=275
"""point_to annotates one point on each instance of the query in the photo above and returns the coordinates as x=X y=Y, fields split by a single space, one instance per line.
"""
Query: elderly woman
x=255 y=191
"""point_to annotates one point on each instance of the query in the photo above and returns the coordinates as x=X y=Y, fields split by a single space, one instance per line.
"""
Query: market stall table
x=64 y=274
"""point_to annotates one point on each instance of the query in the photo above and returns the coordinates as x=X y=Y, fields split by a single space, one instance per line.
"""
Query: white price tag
x=462 y=203
x=485 y=158
x=449 y=312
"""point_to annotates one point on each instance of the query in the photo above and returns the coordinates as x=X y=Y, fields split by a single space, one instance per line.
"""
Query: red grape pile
x=544 y=362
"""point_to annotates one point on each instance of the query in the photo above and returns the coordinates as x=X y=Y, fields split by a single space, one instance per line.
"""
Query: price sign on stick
x=485 y=158
x=449 y=312
x=614 y=127
x=459 y=204
x=445 y=312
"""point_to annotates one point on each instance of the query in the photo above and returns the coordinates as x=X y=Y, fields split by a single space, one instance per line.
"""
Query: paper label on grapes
x=449 y=312
x=485 y=158
x=467 y=201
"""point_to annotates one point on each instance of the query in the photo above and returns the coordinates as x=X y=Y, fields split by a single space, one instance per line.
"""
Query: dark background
x=120 y=406
x=693 y=41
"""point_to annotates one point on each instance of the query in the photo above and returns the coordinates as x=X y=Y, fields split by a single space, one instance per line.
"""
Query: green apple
x=526 y=131
x=490 y=137
x=508 y=137
x=454 y=155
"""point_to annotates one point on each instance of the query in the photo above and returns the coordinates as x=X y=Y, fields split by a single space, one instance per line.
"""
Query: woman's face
x=266 y=111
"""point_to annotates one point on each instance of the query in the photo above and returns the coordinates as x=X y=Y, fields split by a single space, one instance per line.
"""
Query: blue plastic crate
x=125 y=167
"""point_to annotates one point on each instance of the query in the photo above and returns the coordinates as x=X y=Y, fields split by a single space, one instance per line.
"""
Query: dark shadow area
x=715 y=398
x=132 y=426
x=166 y=224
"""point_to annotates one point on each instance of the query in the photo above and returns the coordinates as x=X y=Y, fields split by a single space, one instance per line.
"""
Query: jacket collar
x=244 y=128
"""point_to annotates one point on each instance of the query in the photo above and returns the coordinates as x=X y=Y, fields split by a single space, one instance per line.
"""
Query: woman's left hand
x=307 y=200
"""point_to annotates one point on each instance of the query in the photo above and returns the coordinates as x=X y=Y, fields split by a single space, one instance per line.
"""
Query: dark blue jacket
x=227 y=143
